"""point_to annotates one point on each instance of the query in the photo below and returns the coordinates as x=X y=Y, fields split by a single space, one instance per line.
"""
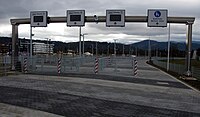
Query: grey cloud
x=21 y=8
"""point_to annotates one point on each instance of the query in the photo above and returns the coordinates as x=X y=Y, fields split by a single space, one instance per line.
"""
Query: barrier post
x=96 y=68
x=135 y=66
x=25 y=65
x=59 y=65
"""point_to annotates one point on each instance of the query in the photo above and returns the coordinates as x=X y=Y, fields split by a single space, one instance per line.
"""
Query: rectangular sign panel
x=38 y=18
x=157 y=18
x=115 y=18
x=75 y=17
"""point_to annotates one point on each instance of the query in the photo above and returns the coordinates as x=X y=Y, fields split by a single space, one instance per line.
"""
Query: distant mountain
x=196 y=42
x=5 y=40
x=104 y=46
x=144 y=45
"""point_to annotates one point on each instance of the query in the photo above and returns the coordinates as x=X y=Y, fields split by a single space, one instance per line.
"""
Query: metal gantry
x=181 y=20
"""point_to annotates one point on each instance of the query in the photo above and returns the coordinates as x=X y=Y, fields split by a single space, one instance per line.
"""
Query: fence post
x=42 y=64
x=108 y=61
x=64 y=63
x=5 y=65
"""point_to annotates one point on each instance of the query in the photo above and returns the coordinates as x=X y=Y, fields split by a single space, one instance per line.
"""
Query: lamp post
x=83 y=35
x=115 y=55
x=48 y=45
x=115 y=47
x=31 y=42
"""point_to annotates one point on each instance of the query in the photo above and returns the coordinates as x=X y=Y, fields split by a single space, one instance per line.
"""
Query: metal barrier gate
x=77 y=65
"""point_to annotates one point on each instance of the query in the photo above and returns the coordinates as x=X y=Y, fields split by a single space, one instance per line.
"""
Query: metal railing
x=48 y=64
x=5 y=65
x=196 y=73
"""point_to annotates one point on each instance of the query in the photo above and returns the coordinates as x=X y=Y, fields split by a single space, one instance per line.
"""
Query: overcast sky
x=132 y=32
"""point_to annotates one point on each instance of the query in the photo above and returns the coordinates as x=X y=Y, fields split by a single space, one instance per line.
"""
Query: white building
x=42 y=48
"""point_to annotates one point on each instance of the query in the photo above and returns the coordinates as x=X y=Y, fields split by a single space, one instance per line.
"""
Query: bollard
x=25 y=65
x=59 y=65
x=135 y=66
x=96 y=66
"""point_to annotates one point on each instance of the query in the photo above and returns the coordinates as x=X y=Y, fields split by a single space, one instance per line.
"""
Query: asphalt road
x=150 y=94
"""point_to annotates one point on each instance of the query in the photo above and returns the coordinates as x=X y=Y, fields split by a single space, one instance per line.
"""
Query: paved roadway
x=113 y=94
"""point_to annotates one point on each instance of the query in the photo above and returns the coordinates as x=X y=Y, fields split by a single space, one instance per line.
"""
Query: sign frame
x=157 y=17
x=78 y=23
x=115 y=13
x=40 y=16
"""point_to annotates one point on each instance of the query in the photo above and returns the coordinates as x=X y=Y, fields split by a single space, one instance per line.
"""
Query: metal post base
x=188 y=74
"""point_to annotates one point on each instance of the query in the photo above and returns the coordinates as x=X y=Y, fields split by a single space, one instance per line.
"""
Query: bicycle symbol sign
x=157 y=14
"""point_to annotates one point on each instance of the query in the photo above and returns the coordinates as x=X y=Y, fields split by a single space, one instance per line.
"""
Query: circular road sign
x=157 y=14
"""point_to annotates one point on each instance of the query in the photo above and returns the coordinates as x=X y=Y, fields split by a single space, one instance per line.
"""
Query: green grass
x=195 y=63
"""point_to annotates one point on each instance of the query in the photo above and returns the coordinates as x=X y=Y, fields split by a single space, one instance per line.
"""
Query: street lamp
x=31 y=43
x=48 y=45
x=83 y=35
x=115 y=47
x=115 y=55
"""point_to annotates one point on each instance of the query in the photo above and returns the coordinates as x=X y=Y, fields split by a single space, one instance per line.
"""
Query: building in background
x=42 y=48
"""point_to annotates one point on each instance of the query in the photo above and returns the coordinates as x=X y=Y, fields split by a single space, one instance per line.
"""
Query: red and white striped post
x=25 y=65
x=135 y=66
x=59 y=65
x=96 y=67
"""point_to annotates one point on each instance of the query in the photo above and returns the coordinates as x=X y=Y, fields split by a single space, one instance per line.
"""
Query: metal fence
x=5 y=65
x=73 y=64
x=196 y=72
x=177 y=68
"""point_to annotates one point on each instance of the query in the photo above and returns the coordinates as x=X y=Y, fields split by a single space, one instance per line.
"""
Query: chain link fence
x=177 y=68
